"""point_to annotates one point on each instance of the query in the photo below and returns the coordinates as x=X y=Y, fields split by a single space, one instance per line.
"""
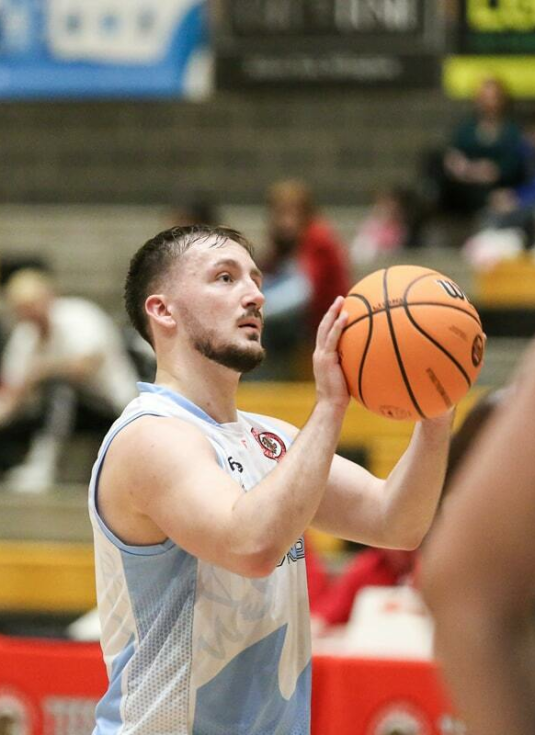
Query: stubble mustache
x=254 y=312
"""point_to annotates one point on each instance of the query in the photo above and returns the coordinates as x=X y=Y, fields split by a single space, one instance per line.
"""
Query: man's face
x=216 y=300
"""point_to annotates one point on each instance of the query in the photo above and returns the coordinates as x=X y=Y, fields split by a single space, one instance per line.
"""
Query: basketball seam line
x=437 y=344
x=396 y=347
x=431 y=338
x=399 y=306
x=365 y=351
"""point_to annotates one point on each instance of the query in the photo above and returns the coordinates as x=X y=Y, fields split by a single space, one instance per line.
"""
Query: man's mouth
x=251 y=323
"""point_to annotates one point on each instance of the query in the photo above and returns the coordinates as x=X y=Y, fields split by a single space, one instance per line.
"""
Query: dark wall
x=345 y=143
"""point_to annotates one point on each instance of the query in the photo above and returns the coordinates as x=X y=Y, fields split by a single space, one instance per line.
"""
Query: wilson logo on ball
x=452 y=289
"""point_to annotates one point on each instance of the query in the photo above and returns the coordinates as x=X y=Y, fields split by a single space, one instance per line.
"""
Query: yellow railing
x=510 y=283
x=46 y=577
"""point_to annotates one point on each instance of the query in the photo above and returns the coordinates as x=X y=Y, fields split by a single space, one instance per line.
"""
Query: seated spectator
x=369 y=568
x=392 y=224
x=294 y=220
x=507 y=225
x=485 y=153
x=305 y=267
x=64 y=368
x=288 y=294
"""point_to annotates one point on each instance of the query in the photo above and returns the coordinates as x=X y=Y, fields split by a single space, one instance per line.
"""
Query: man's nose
x=254 y=295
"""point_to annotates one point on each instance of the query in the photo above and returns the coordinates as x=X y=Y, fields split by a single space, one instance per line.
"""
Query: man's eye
x=225 y=277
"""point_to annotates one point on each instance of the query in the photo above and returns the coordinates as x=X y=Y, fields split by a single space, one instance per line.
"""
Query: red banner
x=378 y=697
x=52 y=687
x=49 y=687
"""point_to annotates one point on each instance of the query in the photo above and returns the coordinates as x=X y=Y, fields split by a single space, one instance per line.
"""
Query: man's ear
x=156 y=308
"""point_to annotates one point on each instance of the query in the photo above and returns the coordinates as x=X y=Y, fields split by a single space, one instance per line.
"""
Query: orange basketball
x=413 y=344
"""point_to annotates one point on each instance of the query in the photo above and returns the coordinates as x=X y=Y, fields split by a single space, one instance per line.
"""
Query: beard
x=240 y=359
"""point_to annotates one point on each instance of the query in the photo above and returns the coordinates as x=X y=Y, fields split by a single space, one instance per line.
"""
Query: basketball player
x=479 y=575
x=199 y=509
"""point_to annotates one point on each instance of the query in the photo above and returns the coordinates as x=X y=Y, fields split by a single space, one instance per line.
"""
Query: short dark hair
x=154 y=259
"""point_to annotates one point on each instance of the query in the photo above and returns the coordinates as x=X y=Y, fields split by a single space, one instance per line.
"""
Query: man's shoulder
x=147 y=435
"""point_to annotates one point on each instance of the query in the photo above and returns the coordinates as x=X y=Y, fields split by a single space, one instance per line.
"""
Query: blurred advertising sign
x=494 y=37
x=497 y=27
x=359 y=42
x=103 y=48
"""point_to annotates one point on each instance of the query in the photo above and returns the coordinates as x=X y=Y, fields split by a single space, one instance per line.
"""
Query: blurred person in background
x=479 y=571
x=295 y=225
x=506 y=227
x=288 y=291
x=368 y=568
x=305 y=267
x=393 y=223
x=485 y=152
x=64 y=368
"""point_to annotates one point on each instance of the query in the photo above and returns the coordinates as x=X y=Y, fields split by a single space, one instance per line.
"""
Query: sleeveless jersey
x=190 y=648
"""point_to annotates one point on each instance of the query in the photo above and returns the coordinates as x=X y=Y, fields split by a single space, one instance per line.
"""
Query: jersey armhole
x=148 y=549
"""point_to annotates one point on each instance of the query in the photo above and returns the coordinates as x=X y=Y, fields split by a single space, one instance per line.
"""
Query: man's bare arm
x=392 y=513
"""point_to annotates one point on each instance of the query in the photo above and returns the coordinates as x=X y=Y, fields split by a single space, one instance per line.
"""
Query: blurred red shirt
x=323 y=257
x=333 y=602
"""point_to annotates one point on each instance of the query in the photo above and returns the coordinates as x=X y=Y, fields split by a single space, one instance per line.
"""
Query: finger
x=328 y=320
x=333 y=337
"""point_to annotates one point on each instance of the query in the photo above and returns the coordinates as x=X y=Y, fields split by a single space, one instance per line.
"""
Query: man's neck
x=208 y=385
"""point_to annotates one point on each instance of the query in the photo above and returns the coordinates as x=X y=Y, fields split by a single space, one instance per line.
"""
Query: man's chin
x=248 y=359
x=241 y=359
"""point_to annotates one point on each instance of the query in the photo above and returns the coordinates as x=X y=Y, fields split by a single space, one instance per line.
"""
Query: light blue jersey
x=190 y=648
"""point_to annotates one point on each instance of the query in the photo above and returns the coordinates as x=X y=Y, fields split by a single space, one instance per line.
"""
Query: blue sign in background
x=102 y=48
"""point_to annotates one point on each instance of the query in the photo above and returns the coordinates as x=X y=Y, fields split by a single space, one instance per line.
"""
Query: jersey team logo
x=272 y=445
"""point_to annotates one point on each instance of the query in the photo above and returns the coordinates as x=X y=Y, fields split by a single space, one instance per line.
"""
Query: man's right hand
x=331 y=384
